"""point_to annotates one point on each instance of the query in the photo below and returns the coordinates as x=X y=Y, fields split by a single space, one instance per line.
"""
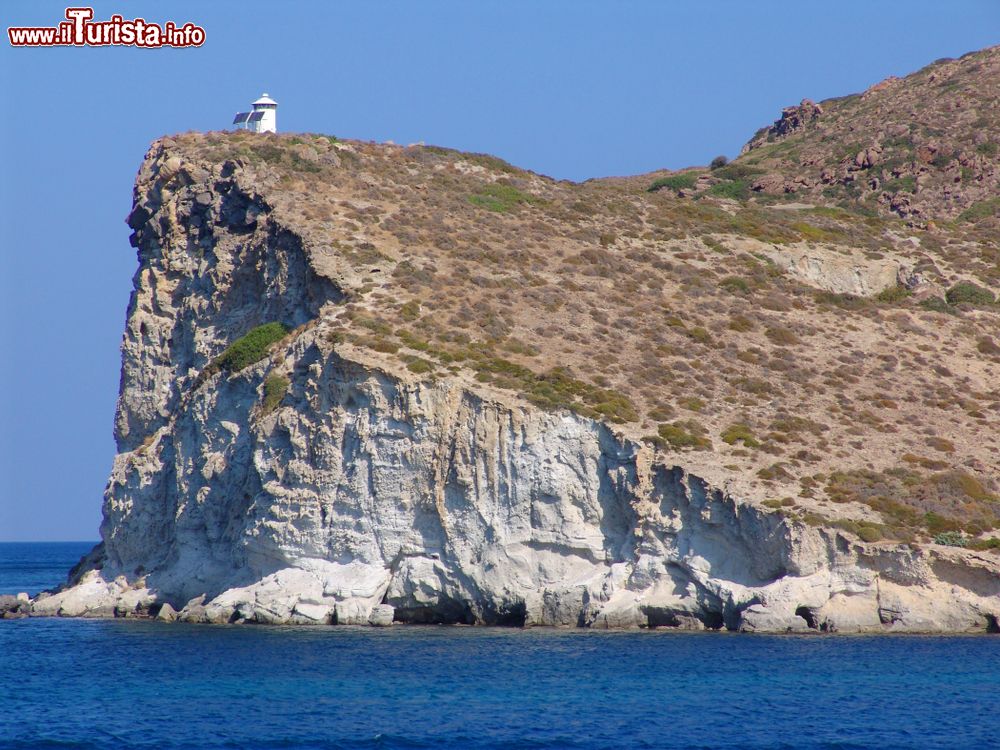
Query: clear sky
x=572 y=89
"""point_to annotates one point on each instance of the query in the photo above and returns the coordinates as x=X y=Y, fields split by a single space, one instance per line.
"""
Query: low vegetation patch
x=902 y=185
x=740 y=433
x=893 y=294
x=967 y=293
x=782 y=336
x=986 y=345
x=245 y=351
x=275 y=388
x=736 y=171
x=913 y=502
x=866 y=530
x=737 y=190
x=251 y=347
x=684 y=181
x=681 y=435
x=987 y=209
x=500 y=198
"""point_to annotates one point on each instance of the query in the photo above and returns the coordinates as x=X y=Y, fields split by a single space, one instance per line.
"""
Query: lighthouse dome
x=265 y=99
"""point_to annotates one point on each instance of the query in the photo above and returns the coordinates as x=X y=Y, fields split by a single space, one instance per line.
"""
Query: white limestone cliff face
x=370 y=495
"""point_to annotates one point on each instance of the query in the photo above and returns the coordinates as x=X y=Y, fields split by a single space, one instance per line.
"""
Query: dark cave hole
x=510 y=616
x=808 y=615
x=713 y=620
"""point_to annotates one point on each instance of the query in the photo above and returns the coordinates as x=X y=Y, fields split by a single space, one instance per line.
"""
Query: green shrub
x=718 y=162
x=699 y=335
x=965 y=292
x=275 y=388
x=893 y=294
x=740 y=432
x=692 y=403
x=983 y=210
x=741 y=324
x=681 y=435
x=773 y=472
x=738 y=190
x=379 y=345
x=419 y=366
x=869 y=532
x=684 y=181
x=500 y=198
x=735 y=284
x=250 y=348
x=951 y=539
x=736 y=171
x=782 y=336
x=410 y=310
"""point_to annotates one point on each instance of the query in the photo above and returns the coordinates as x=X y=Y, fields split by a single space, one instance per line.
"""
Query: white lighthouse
x=262 y=119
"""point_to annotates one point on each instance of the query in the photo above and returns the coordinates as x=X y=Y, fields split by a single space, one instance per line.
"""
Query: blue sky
x=572 y=89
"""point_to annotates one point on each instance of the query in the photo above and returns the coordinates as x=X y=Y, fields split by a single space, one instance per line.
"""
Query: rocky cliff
x=366 y=383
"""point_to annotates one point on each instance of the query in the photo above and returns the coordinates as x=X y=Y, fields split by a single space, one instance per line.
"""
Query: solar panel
x=256 y=116
x=241 y=117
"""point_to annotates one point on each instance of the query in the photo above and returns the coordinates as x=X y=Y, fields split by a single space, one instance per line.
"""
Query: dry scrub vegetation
x=652 y=310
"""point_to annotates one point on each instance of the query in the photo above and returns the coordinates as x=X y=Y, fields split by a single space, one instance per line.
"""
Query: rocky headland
x=366 y=383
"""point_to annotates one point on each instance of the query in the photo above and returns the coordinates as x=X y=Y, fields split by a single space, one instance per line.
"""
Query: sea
x=134 y=684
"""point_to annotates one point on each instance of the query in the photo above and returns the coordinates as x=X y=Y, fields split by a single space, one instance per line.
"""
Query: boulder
x=381 y=615
x=352 y=612
x=193 y=611
x=868 y=157
x=221 y=614
x=758 y=618
x=166 y=613
x=771 y=184
x=313 y=612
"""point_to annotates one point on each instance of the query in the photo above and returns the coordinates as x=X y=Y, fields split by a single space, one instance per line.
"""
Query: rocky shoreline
x=196 y=612
x=912 y=591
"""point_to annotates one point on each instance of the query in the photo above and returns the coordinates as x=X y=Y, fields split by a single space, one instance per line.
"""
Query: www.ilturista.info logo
x=78 y=30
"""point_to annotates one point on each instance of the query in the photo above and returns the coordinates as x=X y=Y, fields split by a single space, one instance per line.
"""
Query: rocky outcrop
x=793 y=119
x=922 y=147
x=832 y=270
x=368 y=495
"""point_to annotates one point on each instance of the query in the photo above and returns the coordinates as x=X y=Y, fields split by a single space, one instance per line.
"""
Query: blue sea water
x=35 y=566
x=135 y=684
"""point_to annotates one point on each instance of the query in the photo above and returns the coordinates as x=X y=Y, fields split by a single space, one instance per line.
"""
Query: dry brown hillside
x=818 y=353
